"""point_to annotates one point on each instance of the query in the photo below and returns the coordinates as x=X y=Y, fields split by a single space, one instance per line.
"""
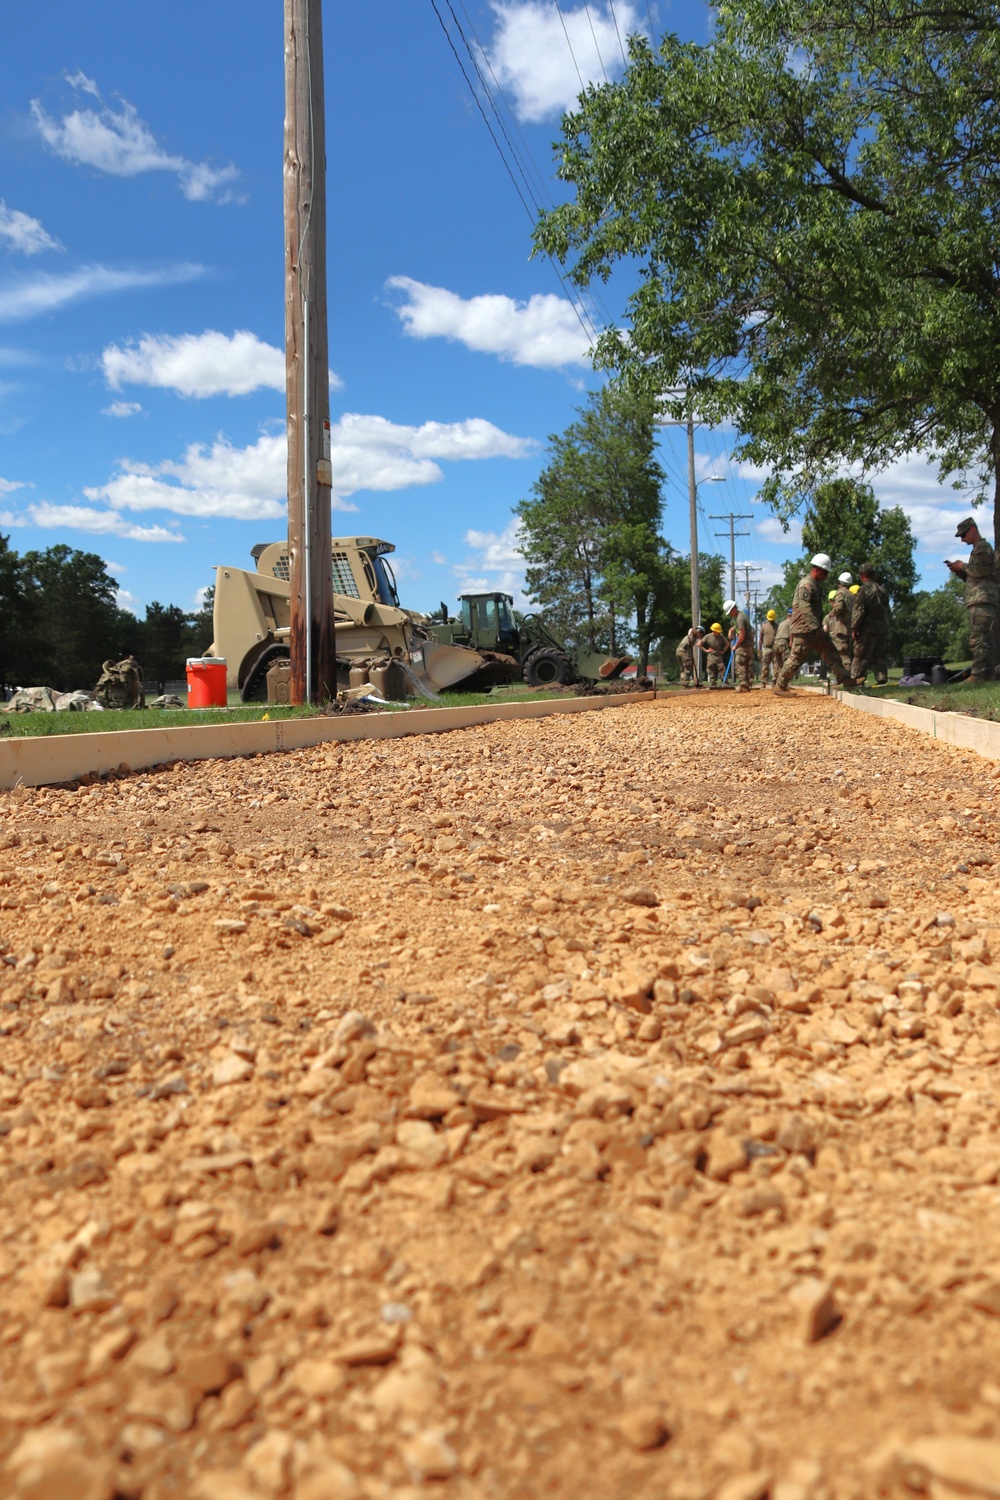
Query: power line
x=570 y=46
x=503 y=129
x=591 y=332
x=510 y=113
x=621 y=49
x=652 y=28
x=597 y=48
x=482 y=111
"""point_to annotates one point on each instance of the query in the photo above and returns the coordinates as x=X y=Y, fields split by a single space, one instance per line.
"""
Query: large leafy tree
x=17 y=612
x=76 y=620
x=590 y=529
x=843 y=517
x=811 y=201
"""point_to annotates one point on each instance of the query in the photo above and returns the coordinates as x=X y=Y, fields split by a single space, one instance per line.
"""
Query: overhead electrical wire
x=621 y=49
x=570 y=46
x=597 y=47
x=591 y=331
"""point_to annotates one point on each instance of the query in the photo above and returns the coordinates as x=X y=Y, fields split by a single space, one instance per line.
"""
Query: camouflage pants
x=743 y=668
x=981 y=618
x=843 y=643
x=685 y=659
x=871 y=654
x=779 y=661
x=818 y=643
x=768 y=660
x=713 y=668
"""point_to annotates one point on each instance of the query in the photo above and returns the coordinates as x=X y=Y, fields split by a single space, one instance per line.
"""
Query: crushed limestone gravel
x=602 y=1105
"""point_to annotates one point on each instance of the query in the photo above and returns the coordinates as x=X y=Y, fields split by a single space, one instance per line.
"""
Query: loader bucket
x=439 y=666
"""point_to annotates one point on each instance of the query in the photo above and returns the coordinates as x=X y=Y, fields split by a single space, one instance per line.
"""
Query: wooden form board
x=980 y=735
x=41 y=760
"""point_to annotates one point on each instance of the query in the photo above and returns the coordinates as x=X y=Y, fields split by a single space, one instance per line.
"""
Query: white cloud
x=201 y=596
x=249 y=484
x=438 y=558
x=770 y=529
x=119 y=143
x=544 y=332
x=122 y=409
x=205 y=364
x=7 y=486
x=27 y=297
x=540 y=50
x=20 y=232
x=127 y=601
x=494 y=566
x=96 y=522
x=114 y=567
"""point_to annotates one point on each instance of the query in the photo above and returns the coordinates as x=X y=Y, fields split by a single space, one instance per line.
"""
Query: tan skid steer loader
x=373 y=633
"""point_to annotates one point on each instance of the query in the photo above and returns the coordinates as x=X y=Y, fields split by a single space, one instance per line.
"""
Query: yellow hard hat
x=717 y=629
x=831 y=595
x=854 y=588
x=771 y=615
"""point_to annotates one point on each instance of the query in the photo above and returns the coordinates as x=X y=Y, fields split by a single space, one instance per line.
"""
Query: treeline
x=597 y=565
x=843 y=518
x=60 y=620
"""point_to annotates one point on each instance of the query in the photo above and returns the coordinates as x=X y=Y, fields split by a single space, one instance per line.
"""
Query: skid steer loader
x=374 y=635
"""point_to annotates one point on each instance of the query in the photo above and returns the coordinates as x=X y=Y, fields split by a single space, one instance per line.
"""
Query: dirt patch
x=601 y=1105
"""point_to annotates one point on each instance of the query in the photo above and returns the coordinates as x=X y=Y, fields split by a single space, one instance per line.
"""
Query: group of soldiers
x=851 y=636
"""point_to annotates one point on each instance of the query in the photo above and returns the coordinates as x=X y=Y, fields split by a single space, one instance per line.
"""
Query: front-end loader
x=486 y=623
x=252 y=616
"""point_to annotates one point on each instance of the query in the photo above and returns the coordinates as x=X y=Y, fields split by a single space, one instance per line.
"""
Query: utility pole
x=313 y=648
x=746 y=569
x=732 y=518
x=693 y=515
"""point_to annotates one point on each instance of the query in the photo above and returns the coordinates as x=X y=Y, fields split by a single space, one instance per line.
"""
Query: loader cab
x=361 y=567
x=488 y=621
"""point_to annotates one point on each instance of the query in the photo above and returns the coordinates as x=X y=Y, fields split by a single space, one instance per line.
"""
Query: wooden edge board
x=979 y=735
x=41 y=760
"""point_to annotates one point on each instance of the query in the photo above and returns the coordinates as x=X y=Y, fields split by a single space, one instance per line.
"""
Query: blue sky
x=141 y=290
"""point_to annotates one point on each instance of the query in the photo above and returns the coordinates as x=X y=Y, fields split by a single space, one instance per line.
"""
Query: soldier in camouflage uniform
x=765 y=645
x=713 y=655
x=741 y=636
x=782 y=642
x=841 y=611
x=807 y=632
x=980 y=599
x=870 y=629
x=685 y=654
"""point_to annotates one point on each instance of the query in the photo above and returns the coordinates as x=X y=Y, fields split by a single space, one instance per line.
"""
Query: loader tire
x=255 y=688
x=547 y=667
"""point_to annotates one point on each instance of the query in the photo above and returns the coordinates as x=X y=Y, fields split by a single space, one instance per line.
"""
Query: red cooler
x=206 y=678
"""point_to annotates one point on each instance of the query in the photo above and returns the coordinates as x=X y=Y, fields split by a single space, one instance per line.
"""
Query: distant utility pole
x=693 y=517
x=313 y=648
x=746 y=569
x=732 y=518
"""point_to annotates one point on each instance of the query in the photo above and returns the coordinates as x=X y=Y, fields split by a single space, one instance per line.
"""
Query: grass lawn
x=979 y=699
x=116 y=720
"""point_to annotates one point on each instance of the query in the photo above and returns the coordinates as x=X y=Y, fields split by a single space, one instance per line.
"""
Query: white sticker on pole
x=326 y=439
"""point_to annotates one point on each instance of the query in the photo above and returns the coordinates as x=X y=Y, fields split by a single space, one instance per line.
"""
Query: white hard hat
x=845 y=578
x=821 y=561
x=727 y=605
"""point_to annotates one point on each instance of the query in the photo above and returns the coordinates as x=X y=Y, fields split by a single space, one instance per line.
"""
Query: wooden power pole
x=313 y=650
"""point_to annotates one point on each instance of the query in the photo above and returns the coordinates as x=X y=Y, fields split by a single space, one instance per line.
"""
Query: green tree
x=812 y=202
x=165 y=644
x=938 y=624
x=76 y=619
x=590 y=531
x=17 y=614
x=202 y=625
